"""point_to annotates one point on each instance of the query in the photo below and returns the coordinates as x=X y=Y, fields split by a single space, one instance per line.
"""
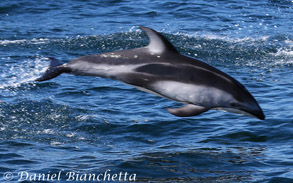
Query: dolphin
x=160 y=69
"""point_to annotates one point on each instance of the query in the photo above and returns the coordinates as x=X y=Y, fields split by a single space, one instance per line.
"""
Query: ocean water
x=73 y=127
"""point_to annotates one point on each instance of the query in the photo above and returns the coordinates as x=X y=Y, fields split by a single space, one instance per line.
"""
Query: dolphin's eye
x=233 y=104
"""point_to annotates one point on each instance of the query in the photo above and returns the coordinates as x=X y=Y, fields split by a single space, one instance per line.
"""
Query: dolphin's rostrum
x=161 y=70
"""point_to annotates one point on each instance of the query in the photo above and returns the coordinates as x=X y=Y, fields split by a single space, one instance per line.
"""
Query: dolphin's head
x=244 y=103
x=250 y=108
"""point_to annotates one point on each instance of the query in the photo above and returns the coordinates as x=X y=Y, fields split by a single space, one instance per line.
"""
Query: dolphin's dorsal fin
x=187 y=110
x=158 y=43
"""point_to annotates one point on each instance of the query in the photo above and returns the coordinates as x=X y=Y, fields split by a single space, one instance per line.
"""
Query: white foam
x=210 y=36
x=20 y=41
x=284 y=55
x=284 y=52
x=5 y=42
x=25 y=72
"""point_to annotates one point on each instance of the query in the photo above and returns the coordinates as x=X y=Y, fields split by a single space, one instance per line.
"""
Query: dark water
x=87 y=125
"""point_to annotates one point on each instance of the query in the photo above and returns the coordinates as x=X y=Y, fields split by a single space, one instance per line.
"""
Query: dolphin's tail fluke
x=55 y=69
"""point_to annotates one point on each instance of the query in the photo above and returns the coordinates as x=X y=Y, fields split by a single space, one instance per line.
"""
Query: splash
x=14 y=75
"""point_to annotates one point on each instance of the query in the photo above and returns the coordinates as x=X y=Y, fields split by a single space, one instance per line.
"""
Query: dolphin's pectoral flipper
x=187 y=110
x=55 y=69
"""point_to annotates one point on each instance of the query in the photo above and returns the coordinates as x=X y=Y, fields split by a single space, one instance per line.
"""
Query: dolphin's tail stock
x=56 y=68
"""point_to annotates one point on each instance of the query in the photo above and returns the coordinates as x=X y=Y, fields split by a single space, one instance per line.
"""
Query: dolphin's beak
x=248 y=108
x=253 y=109
x=257 y=113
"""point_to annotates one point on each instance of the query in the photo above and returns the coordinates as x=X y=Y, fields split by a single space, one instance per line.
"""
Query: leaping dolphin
x=161 y=70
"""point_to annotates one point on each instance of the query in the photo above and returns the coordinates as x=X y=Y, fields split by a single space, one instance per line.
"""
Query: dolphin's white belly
x=189 y=93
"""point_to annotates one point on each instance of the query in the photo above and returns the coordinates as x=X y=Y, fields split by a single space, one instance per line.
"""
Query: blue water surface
x=88 y=125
